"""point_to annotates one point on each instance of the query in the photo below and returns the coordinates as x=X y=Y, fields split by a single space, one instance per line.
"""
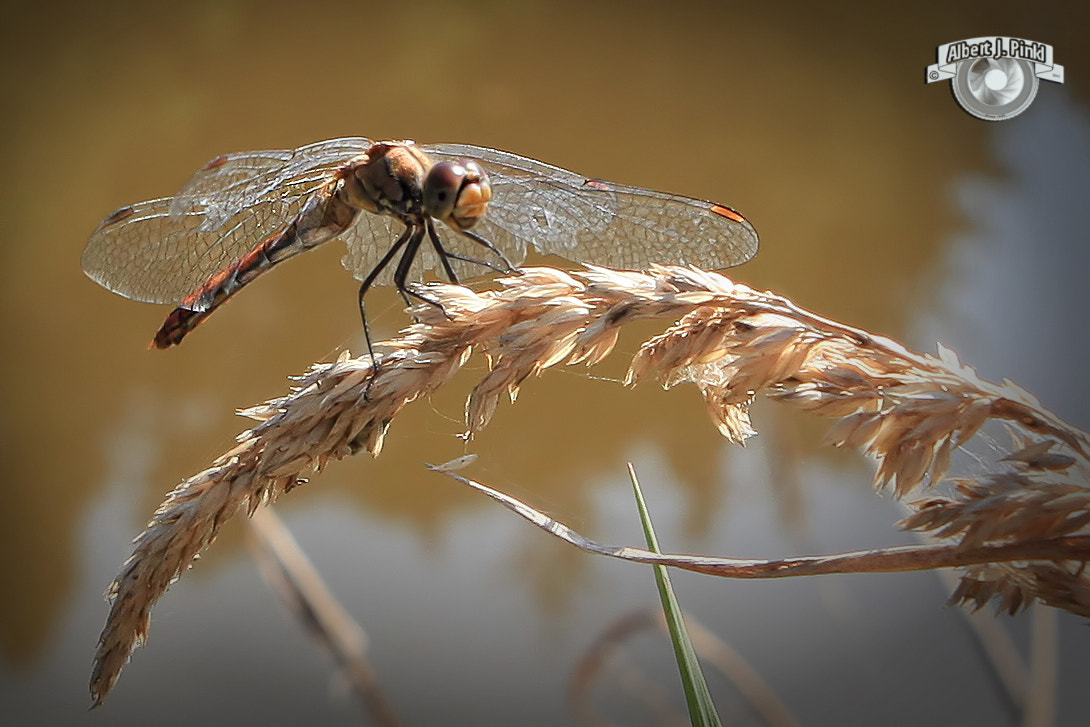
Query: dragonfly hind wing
x=162 y=250
x=146 y=253
x=367 y=241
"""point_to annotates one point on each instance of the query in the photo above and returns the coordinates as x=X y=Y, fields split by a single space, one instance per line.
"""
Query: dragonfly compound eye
x=457 y=193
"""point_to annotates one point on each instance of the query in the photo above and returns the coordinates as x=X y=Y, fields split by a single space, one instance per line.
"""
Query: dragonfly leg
x=366 y=285
x=510 y=268
x=482 y=263
x=444 y=256
x=401 y=273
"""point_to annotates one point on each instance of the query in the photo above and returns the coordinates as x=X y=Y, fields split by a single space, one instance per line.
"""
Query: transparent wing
x=587 y=220
x=161 y=250
x=367 y=241
x=145 y=253
x=230 y=183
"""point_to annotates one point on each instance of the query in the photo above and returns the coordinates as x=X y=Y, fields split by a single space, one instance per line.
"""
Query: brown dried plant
x=1019 y=532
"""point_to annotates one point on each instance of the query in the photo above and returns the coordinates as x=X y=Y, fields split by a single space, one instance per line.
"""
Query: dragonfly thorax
x=398 y=179
x=388 y=179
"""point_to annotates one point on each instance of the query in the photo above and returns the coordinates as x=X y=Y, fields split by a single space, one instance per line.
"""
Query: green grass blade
x=701 y=709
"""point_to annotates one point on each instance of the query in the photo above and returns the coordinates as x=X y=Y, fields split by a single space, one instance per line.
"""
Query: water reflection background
x=878 y=201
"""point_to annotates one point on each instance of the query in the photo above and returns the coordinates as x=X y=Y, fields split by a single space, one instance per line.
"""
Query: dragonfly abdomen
x=322 y=218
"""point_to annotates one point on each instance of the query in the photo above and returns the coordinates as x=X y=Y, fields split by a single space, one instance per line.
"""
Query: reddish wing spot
x=598 y=184
x=728 y=213
x=117 y=215
x=217 y=162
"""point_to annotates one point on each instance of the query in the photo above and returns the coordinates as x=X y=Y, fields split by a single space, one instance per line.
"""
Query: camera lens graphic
x=995 y=89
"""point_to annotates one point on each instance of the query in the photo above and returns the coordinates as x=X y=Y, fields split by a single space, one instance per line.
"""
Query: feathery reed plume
x=908 y=411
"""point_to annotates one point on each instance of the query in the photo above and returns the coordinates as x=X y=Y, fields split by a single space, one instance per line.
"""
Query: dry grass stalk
x=909 y=411
x=288 y=571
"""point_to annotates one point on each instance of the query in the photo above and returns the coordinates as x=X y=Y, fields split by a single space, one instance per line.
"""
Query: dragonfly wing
x=229 y=183
x=587 y=220
x=530 y=203
x=161 y=250
x=147 y=253
x=368 y=240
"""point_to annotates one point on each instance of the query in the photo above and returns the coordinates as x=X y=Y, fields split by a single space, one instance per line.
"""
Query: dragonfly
x=242 y=214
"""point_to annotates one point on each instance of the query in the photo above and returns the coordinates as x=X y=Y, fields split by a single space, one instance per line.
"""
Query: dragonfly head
x=457 y=193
